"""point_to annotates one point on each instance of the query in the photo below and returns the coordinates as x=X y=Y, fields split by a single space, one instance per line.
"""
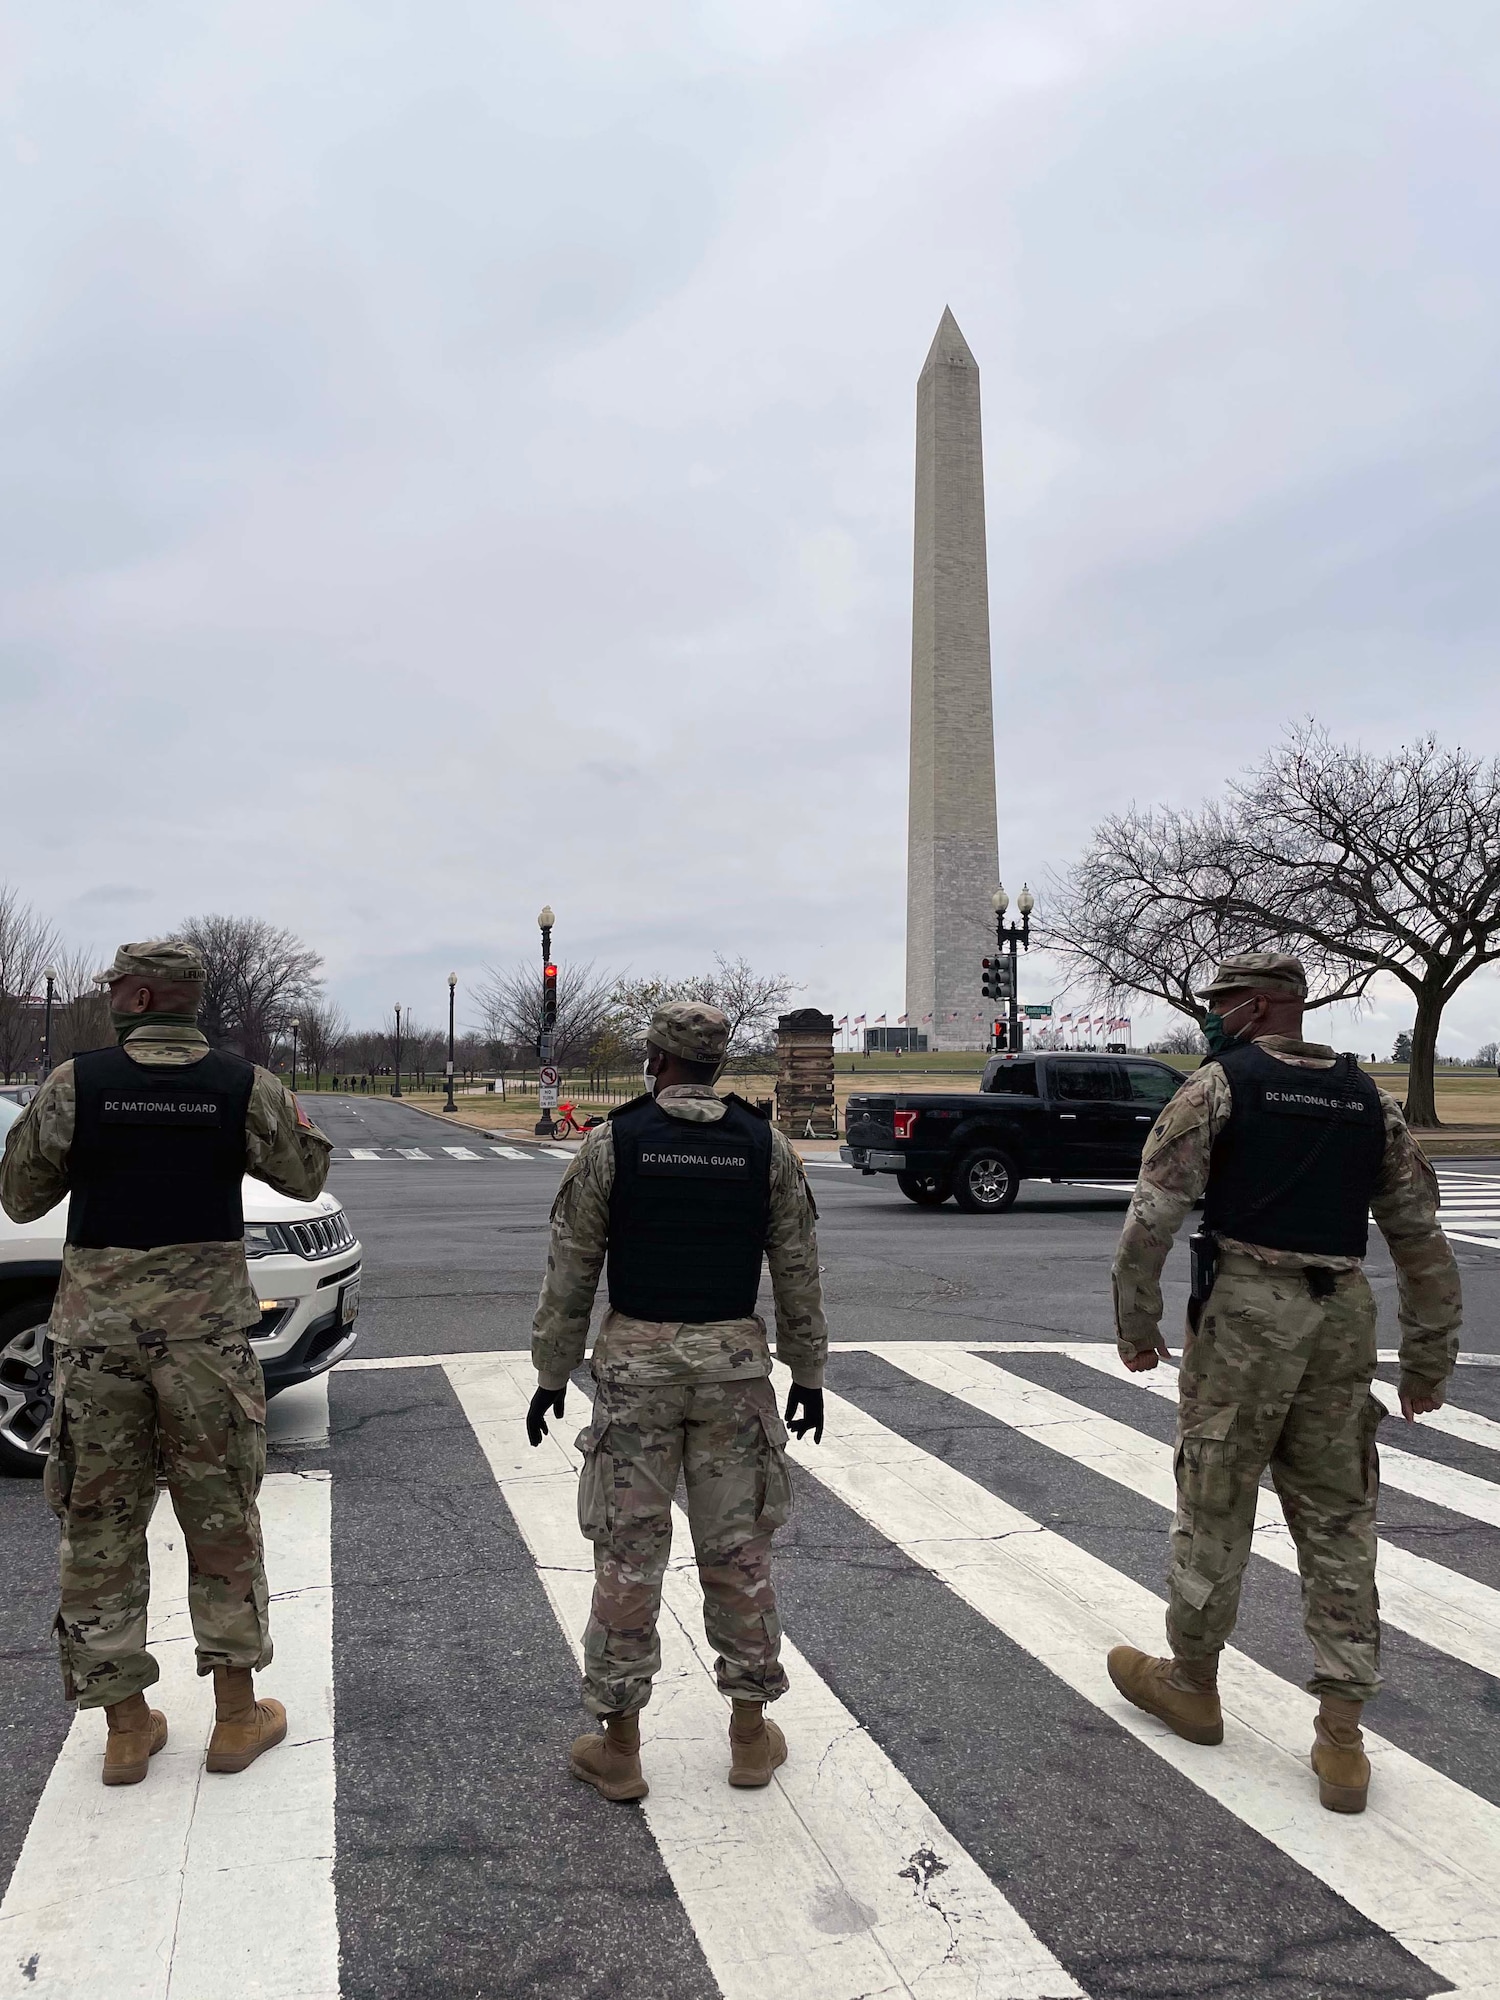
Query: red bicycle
x=567 y=1122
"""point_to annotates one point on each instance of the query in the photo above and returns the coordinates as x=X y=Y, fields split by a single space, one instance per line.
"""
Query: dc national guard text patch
x=722 y=1162
x=1301 y=1103
x=176 y=1113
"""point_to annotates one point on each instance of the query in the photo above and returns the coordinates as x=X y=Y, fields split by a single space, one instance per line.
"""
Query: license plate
x=348 y=1303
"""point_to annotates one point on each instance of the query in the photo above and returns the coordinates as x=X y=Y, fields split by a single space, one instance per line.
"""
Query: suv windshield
x=10 y=1111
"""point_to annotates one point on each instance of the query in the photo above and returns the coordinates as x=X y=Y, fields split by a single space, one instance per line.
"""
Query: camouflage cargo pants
x=200 y=1405
x=728 y=1442
x=1276 y=1378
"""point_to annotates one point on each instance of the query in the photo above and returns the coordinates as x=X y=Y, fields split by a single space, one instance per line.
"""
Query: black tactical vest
x=1295 y=1167
x=688 y=1213
x=158 y=1155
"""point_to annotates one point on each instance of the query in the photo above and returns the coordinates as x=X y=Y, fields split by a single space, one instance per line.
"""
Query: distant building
x=895 y=1041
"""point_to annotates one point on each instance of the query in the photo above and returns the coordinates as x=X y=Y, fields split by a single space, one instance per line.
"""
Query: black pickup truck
x=1054 y=1116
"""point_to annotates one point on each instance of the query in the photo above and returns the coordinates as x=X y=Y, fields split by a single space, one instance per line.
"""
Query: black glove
x=804 y=1412
x=536 y=1416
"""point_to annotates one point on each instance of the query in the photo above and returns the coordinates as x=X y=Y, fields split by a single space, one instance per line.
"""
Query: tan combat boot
x=756 y=1745
x=611 y=1763
x=243 y=1726
x=1184 y=1694
x=1338 y=1756
x=136 y=1733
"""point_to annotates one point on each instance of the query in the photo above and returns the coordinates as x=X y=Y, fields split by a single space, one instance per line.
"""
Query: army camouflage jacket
x=647 y=1351
x=1174 y=1173
x=183 y=1289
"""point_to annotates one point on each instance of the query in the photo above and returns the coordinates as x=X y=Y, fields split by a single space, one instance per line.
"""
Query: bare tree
x=366 y=1050
x=1391 y=863
x=1159 y=898
x=1178 y=1042
x=1489 y=1054
x=1359 y=863
x=27 y=943
x=751 y=999
x=80 y=1012
x=258 y=976
x=322 y=1029
x=510 y=1005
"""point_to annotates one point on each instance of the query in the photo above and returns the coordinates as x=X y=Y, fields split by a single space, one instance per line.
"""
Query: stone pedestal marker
x=804 y=1079
x=952 y=854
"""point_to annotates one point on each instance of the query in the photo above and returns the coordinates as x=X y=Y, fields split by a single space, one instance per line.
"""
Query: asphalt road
x=454 y=1250
x=968 y=1809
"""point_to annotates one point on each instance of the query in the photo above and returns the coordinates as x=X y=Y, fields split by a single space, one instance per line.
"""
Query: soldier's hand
x=1419 y=1401
x=536 y=1416
x=804 y=1412
x=1146 y=1357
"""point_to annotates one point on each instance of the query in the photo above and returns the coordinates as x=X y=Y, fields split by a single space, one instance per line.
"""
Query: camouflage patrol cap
x=157 y=958
x=1258 y=971
x=689 y=1029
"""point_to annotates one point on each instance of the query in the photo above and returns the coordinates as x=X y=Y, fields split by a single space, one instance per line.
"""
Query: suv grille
x=322 y=1238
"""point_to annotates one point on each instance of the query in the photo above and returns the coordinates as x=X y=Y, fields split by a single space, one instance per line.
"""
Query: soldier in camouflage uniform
x=153 y=1360
x=685 y=1192
x=1293 y=1148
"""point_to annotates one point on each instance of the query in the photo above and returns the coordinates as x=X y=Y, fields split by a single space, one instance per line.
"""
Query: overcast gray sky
x=459 y=455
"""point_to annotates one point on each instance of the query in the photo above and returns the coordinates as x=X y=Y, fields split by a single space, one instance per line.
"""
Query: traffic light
x=995 y=982
x=549 y=998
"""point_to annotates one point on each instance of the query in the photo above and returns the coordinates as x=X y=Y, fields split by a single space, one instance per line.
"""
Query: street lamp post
x=50 y=975
x=396 y=1077
x=545 y=1129
x=452 y=988
x=295 y=1025
x=1013 y=936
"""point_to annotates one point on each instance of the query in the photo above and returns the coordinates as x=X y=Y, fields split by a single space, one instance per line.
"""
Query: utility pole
x=452 y=987
x=546 y=1084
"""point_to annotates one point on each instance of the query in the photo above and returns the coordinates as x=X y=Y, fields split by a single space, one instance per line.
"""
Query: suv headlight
x=263 y=1239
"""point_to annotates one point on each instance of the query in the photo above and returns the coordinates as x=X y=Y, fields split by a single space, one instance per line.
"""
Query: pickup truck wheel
x=25 y=1388
x=986 y=1182
x=926 y=1190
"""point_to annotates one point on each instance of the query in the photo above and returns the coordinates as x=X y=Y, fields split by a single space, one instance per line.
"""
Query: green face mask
x=1216 y=1034
x=126 y=1024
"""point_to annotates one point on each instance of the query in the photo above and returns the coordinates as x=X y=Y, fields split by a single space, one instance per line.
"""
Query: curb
x=480 y=1131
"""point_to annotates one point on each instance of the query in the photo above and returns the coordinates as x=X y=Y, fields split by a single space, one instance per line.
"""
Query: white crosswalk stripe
x=1423 y=1862
x=1470 y=1211
x=391 y=1154
x=1443 y=1609
x=817 y=1888
x=141 y=1892
x=759 y=1884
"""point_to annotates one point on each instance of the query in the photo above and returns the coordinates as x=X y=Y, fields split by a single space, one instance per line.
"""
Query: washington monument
x=953 y=861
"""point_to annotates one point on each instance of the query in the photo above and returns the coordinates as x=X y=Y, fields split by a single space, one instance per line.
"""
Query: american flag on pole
x=843 y=1020
x=880 y=1020
x=900 y=1020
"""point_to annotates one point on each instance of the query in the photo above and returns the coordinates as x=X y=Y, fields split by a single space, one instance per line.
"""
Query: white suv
x=304 y=1263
